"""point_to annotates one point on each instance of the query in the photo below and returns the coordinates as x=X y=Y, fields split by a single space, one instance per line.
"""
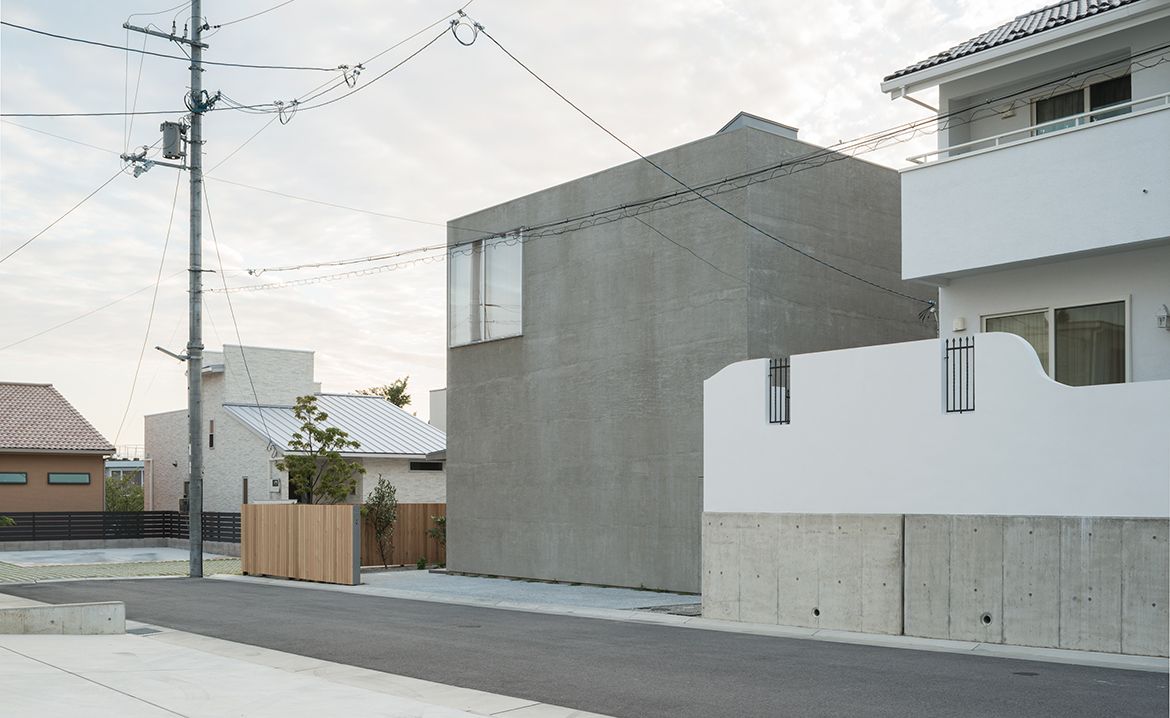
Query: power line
x=307 y=68
x=255 y=14
x=714 y=204
x=235 y=324
x=153 y=301
x=67 y=213
x=60 y=137
x=91 y=312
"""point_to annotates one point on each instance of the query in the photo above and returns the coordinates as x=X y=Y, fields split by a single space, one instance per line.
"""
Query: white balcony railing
x=1069 y=123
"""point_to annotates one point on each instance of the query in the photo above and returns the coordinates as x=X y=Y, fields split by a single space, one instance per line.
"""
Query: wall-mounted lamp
x=1164 y=318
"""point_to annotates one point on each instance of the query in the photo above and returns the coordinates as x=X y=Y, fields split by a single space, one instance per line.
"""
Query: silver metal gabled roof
x=380 y=427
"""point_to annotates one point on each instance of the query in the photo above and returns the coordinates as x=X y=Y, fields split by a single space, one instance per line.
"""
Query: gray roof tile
x=1026 y=25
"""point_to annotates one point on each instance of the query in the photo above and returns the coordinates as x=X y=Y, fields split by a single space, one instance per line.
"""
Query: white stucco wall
x=1098 y=186
x=1142 y=277
x=413 y=487
x=165 y=438
x=438 y=408
x=868 y=435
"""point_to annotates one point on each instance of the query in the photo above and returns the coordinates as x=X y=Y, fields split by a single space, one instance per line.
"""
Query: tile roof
x=1026 y=25
x=379 y=426
x=35 y=417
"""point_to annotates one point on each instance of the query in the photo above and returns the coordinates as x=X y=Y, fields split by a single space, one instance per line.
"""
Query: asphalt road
x=621 y=669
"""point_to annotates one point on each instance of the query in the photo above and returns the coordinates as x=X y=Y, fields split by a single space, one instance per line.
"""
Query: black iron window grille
x=779 y=375
x=959 y=375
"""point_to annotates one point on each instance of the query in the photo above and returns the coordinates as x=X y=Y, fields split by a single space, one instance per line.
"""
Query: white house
x=249 y=421
x=1010 y=481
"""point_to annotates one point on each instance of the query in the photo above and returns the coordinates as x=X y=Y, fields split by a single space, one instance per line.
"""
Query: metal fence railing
x=959 y=377
x=99 y=525
x=779 y=376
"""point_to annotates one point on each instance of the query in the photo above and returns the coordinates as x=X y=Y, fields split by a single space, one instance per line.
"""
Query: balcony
x=1092 y=182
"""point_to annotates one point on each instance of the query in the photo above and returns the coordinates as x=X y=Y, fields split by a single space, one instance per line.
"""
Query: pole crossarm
x=165 y=36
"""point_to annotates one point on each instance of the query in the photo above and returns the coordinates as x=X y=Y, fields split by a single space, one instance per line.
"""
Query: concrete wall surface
x=575 y=450
x=71 y=619
x=869 y=434
x=814 y=570
x=1083 y=583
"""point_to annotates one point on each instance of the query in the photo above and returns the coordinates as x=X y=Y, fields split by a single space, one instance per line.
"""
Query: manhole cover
x=142 y=631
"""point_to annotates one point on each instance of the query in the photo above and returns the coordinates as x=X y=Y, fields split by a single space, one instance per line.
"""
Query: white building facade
x=1009 y=482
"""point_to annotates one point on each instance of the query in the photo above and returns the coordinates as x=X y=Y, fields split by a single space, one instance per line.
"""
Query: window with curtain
x=1058 y=106
x=1090 y=344
x=1097 y=96
x=1031 y=326
x=1078 y=346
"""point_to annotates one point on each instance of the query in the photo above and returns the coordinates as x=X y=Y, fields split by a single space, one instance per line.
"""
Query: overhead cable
x=307 y=68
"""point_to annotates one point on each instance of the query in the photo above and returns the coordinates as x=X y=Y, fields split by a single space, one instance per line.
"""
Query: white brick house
x=246 y=433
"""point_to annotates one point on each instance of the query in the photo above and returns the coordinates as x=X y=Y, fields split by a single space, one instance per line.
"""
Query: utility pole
x=195 y=338
x=172 y=136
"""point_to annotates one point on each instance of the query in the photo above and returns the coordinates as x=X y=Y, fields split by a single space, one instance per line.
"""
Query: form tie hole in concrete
x=1029 y=595
x=838 y=580
x=986 y=619
x=816 y=612
x=1029 y=533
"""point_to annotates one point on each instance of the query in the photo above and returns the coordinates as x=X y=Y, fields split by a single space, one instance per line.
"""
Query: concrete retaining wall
x=219 y=547
x=72 y=619
x=224 y=549
x=1099 y=584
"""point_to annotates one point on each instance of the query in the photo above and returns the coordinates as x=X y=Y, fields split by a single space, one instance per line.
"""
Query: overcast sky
x=454 y=130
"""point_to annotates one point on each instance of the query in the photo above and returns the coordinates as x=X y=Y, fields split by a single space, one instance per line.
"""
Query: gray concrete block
x=720 y=570
x=927 y=601
x=881 y=574
x=1145 y=558
x=759 y=568
x=75 y=619
x=1090 y=584
x=839 y=576
x=977 y=578
x=1031 y=581
x=798 y=576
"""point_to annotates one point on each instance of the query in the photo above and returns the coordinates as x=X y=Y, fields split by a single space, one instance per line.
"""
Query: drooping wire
x=235 y=323
x=747 y=223
x=153 y=301
x=69 y=211
x=255 y=14
x=89 y=313
x=306 y=68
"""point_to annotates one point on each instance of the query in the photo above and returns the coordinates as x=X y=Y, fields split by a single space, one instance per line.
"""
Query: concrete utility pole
x=194 y=356
x=195 y=339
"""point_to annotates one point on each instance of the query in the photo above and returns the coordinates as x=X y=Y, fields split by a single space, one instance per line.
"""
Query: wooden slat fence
x=410 y=540
x=306 y=541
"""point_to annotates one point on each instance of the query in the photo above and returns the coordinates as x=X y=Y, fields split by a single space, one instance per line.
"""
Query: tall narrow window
x=484 y=290
x=1090 y=344
x=1108 y=93
x=211 y=434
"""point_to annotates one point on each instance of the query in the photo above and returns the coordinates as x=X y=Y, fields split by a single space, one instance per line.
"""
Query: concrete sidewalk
x=155 y=671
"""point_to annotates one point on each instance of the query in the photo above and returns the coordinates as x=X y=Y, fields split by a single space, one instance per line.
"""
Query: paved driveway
x=622 y=669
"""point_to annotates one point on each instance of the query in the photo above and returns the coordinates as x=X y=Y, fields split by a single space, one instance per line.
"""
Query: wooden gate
x=312 y=542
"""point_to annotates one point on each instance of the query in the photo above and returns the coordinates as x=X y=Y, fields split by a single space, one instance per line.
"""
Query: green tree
x=317 y=472
x=439 y=532
x=394 y=392
x=123 y=494
x=381 y=508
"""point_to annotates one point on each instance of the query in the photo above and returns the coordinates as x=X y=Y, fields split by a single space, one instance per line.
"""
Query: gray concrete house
x=578 y=349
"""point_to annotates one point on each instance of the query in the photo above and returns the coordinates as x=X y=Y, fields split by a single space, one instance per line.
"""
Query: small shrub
x=439 y=532
x=421 y=563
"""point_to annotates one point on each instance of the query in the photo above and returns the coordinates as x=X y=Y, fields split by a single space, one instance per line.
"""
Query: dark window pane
x=1110 y=92
x=1054 y=108
x=1090 y=344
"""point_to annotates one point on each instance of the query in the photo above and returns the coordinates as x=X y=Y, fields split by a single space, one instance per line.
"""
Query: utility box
x=172 y=140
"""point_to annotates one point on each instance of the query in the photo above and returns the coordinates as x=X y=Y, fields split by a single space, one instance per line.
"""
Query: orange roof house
x=51 y=458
